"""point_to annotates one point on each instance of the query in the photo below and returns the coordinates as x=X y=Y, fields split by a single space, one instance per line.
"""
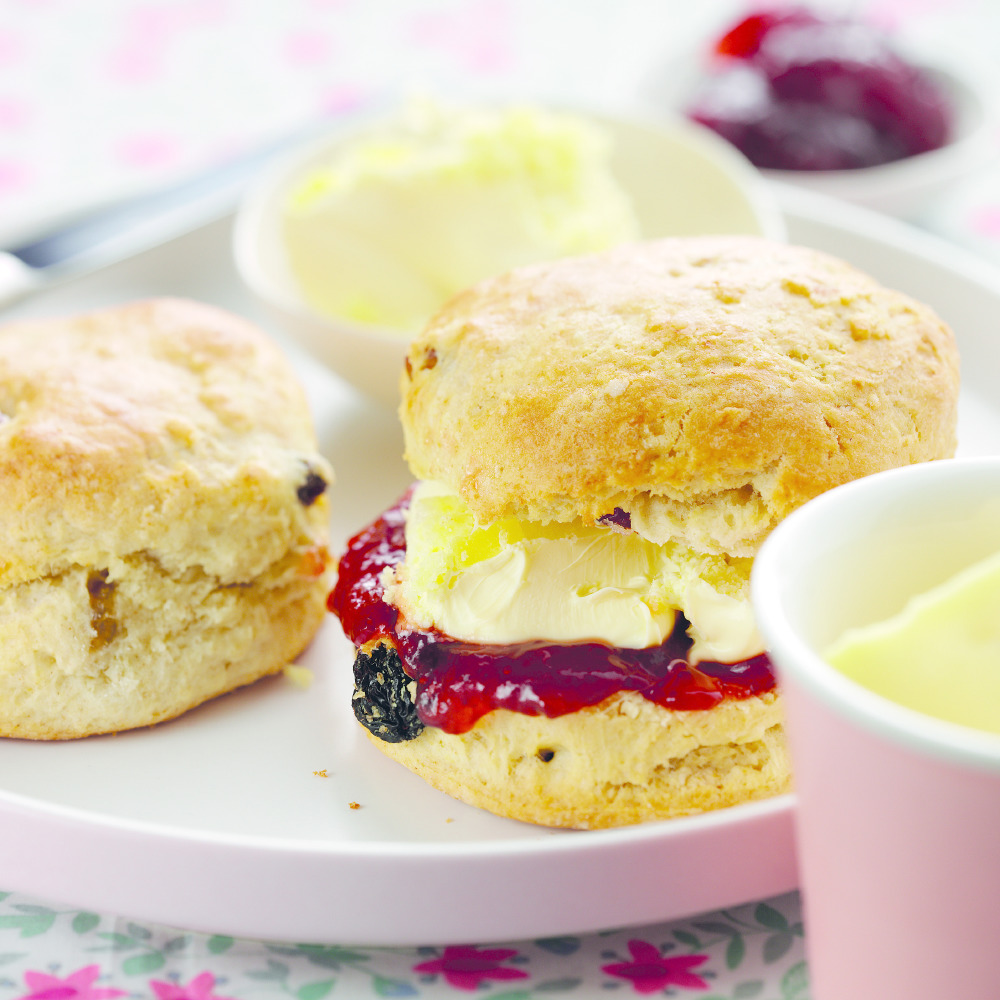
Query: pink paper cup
x=898 y=814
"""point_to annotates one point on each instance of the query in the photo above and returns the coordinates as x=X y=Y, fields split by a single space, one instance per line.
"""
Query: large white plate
x=238 y=817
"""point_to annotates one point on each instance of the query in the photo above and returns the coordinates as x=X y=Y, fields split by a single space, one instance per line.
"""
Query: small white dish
x=682 y=178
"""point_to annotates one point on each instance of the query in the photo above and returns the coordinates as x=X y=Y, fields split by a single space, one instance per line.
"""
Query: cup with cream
x=880 y=604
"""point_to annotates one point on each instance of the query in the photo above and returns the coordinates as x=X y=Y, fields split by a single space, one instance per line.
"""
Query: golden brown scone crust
x=706 y=385
x=155 y=552
x=623 y=762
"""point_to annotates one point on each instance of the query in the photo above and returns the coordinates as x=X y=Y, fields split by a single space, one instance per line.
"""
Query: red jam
x=459 y=682
x=798 y=90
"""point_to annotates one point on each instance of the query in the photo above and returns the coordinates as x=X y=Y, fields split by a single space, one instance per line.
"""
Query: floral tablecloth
x=753 y=951
x=101 y=98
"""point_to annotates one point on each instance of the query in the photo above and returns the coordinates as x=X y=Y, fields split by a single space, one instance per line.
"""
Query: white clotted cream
x=515 y=581
x=940 y=655
x=409 y=212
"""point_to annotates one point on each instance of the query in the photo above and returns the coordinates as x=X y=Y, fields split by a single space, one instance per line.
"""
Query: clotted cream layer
x=516 y=581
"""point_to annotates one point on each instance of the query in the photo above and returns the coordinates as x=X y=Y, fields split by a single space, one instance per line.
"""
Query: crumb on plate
x=301 y=677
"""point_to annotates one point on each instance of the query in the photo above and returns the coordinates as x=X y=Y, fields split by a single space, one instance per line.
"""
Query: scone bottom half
x=165 y=516
x=689 y=393
x=578 y=735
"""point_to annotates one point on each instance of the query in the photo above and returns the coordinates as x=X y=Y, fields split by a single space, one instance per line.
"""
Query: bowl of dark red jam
x=831 y=103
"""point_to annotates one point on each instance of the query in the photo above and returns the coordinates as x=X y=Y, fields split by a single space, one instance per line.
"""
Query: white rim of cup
x=794 y=657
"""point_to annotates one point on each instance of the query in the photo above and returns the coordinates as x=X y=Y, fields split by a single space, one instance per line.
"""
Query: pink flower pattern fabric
x=111 y=97
x=52 y=953
x=200 y=988
x=469 y=968
x=77 y=985
x=651 y=972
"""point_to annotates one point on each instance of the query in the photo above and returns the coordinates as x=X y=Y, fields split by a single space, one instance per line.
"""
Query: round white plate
x=266 y=814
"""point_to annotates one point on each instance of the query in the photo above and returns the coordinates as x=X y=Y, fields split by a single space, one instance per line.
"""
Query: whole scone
x=163 y=522
x=555 y=623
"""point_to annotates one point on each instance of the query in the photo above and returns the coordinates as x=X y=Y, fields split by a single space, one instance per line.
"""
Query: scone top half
x=705 y=387
x=166 y=429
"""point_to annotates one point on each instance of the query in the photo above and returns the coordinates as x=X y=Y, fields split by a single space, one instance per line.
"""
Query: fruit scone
x=554 y=623
x=164 y=517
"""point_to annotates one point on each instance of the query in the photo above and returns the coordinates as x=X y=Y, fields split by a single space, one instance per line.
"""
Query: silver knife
x=123 y=229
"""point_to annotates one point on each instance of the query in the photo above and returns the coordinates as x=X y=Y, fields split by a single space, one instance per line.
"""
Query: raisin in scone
x=164 y=518
x=555 y=623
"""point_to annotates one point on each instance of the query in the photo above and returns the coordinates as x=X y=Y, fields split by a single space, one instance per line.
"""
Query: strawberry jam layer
x=459 y=682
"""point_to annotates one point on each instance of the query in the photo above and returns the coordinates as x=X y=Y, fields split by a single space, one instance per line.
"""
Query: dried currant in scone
x=312 y=488
x=618 y=518
x=101 y=595
x=381 y=700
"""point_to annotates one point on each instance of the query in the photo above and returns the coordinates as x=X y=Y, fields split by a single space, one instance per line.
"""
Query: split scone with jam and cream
x=554 y=623
x=164 y=518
